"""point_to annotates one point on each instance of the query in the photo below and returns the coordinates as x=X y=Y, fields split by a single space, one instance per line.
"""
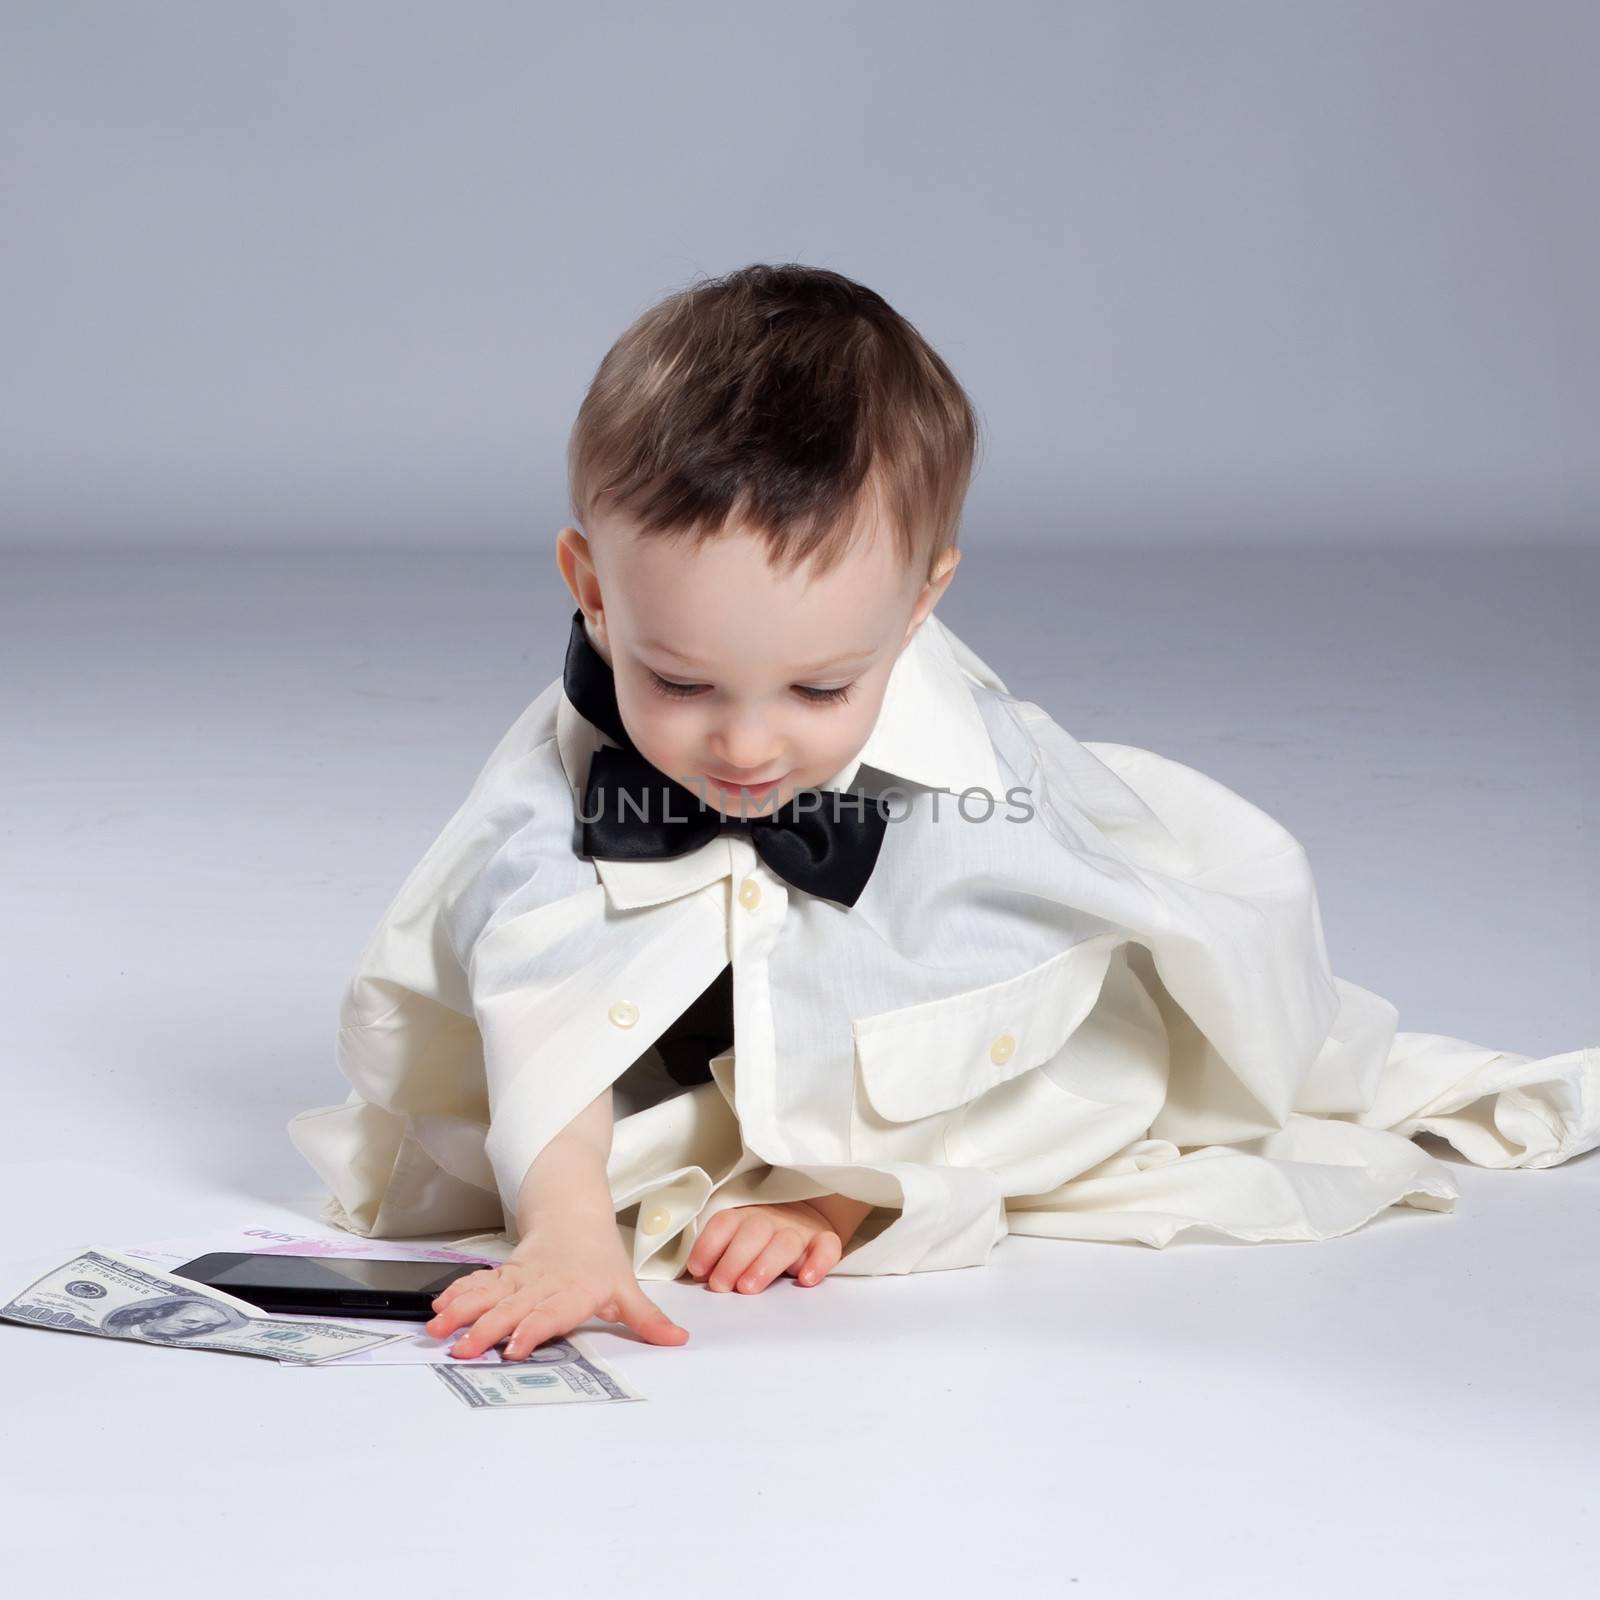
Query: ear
x=943 y=571
x=576 y=565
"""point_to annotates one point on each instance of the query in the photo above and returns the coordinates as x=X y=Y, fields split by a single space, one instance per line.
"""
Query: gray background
x=1271 y=313
x=279 y=273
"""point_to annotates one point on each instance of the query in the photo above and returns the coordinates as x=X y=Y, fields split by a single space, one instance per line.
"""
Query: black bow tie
x=632 y=811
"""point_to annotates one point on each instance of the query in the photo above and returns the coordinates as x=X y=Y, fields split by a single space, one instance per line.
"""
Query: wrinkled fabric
x=1110 y=1019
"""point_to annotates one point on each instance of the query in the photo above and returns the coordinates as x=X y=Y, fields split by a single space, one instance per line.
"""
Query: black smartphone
x=326 y=1285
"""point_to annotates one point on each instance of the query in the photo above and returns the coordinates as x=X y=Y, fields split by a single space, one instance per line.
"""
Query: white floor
x=217 y=770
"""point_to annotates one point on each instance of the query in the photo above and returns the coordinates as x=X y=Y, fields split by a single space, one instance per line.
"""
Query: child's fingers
x=460 y=1310
x=784 y=1248
x=490 y=1328
x=820 y=1259
x=484 y=1278
x=742 y=1245
x=460 y=1316
x=467 y=1306
x=748 y=1243
x=548 y=1321
x=647 y=1319
x=467 y=1280
x=713 y=1238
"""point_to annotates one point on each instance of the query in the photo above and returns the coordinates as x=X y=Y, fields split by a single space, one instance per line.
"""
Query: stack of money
x=107 y=1294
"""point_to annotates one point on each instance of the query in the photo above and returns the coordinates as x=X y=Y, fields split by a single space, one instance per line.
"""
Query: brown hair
x=787 y=397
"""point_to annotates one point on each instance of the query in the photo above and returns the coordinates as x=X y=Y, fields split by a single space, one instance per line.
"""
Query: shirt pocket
x=918 y=1066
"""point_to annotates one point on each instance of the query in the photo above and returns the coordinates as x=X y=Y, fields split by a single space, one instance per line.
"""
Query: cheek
x=820 y=741
x=656 y=732
x=853 y=725
x=824 y=740
x=666 y=743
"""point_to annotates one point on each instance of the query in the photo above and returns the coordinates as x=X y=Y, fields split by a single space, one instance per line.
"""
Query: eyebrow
x=805 y=672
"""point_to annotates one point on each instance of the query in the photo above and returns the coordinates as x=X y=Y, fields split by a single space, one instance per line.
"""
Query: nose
x=744 y=748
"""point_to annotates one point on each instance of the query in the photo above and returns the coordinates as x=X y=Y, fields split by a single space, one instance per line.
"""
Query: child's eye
x=825 y=697
x=673 y=690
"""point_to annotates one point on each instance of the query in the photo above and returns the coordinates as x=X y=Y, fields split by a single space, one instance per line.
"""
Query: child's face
x=730 y=675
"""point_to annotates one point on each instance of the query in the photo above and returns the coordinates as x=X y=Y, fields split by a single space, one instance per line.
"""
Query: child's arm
x=569 y=1262
x=567 y=1182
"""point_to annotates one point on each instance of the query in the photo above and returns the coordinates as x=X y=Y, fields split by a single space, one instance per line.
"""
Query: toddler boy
x=879 y=962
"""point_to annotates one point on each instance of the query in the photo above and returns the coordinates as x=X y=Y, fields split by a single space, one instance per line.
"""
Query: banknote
x=558 y=1372
x=102 y=1293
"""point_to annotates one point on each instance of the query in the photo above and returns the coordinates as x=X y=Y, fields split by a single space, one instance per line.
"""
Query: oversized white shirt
x=1084 y=994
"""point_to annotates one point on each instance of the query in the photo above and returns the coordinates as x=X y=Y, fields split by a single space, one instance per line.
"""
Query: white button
x=1000 y=1051
x=655 y=1219
x=749 y=894
x=624 y=1013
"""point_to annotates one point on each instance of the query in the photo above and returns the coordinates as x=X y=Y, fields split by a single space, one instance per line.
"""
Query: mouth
x=756 y=791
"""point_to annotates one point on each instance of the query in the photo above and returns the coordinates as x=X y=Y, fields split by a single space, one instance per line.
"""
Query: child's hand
x=555 y=1280
x=754 y=1244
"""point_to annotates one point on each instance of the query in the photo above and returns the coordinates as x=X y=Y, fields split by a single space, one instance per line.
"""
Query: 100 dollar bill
x=102 y=1293
x=557 y=1372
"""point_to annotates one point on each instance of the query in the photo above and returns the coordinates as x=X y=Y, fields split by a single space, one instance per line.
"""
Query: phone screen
x=247 y=1272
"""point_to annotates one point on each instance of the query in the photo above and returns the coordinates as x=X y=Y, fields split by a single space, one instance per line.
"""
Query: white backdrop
x=293 y=272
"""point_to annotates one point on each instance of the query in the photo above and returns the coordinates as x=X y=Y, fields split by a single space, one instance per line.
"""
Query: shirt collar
x=929 y=732
x=929 y=729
